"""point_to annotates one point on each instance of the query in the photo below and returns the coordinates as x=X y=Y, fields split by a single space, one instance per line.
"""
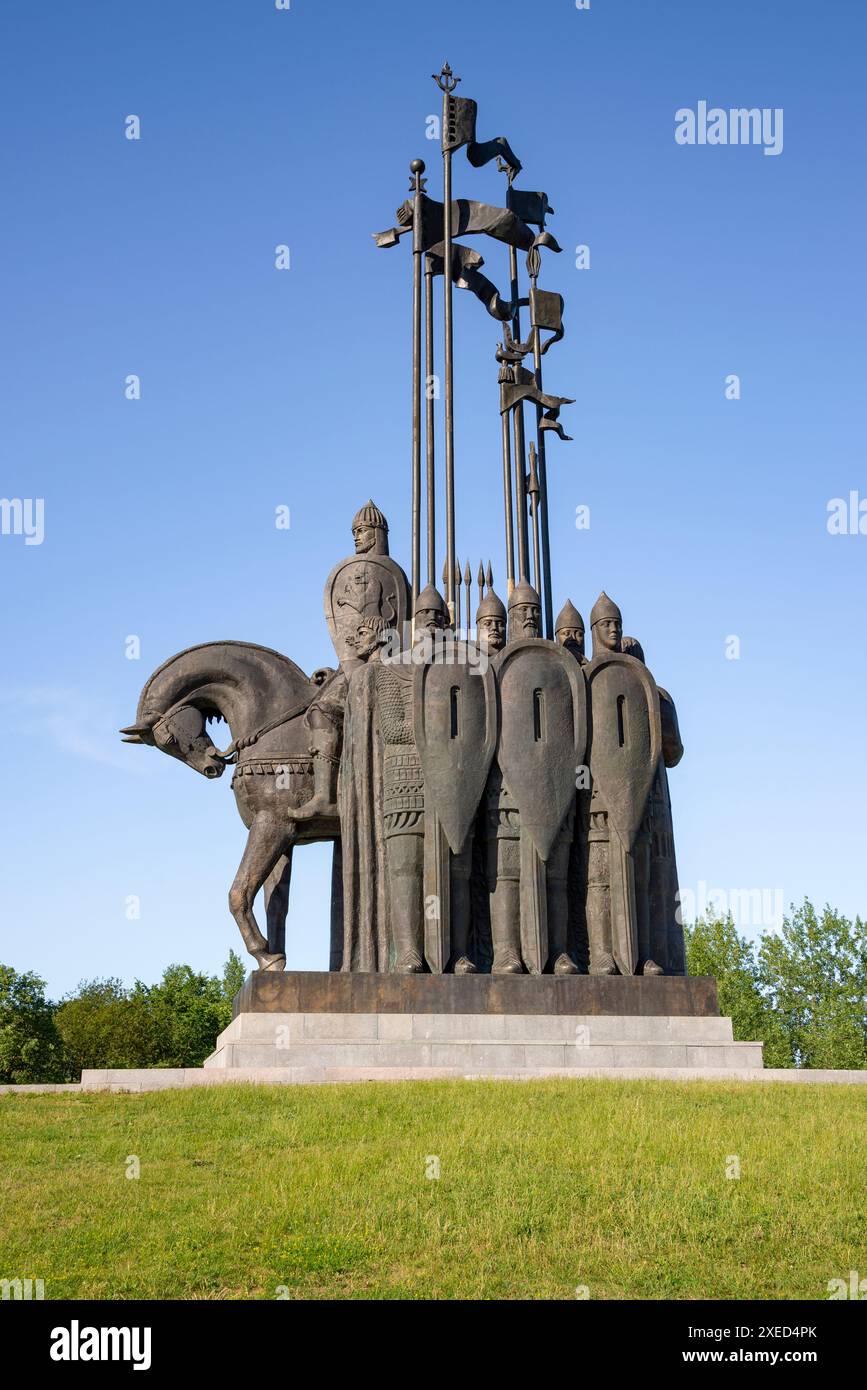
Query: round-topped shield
x=542 y=701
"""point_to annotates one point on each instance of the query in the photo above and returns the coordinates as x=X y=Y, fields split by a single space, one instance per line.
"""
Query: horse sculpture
x=263 y=697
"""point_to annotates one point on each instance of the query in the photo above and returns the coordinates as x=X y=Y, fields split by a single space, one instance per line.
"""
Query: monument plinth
x=319 y=1026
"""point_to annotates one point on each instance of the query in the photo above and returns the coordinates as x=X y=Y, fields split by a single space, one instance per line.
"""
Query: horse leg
x=266 y=844
x=277 y=902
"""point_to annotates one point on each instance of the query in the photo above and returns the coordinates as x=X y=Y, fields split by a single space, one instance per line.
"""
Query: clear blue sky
x=261 y=388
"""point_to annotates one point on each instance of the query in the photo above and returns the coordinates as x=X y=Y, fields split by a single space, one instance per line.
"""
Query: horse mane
x=295 y=670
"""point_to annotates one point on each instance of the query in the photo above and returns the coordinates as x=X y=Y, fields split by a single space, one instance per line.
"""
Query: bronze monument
x=498 y=802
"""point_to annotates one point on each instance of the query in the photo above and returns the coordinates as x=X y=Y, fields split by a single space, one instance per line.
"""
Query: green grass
x=617 y=1186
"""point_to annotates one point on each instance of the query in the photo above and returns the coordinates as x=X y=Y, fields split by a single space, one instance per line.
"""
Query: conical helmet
x=604 y=608
x=523 y=593
x=430 y=599
x=568 y=618
x=369 y=515
x=491 y=606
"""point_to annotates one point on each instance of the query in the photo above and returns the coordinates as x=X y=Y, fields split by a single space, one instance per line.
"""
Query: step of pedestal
x=288 y=1029
x=493 y=1043
x=488 y=1056
x=173 y=1078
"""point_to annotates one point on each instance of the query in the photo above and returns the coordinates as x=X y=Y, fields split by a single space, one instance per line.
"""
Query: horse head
x=241 y=682
x=181 y=732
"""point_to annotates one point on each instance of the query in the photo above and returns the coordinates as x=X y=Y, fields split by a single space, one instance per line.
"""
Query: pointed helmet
x=369 y=515
x=568 y=617
x=491 y=606
x=604 y=608
x=523 y=593
x=431 y=600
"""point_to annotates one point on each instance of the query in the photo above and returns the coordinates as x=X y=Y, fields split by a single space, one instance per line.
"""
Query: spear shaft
x=417 y=169
x=507 y=503
x=518 y=413
x=447 y=83
x=534 y=513
x=429 y=422
x=534 y=263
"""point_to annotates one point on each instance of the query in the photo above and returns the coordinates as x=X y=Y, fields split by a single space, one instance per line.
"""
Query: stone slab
x=281 y=1030
x=323 y=991
x=144 y=1080
x=494 y=1056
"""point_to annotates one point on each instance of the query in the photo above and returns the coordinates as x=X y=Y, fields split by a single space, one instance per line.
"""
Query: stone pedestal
x=323 y=1026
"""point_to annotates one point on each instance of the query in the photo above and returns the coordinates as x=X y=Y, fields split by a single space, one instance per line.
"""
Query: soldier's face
x=609 y=633
x=492 y=634
x=365 y=538
x=429 y=620
x=526 y=620
x=573 y=636
x=365 y=642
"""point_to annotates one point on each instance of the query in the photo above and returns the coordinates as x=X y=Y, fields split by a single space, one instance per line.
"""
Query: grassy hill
x=616 y=1188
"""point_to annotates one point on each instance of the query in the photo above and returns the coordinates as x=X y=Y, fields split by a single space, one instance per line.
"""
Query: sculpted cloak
x=360 y=801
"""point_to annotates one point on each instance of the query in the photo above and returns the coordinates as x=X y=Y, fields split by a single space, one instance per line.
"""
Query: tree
x=31 y=1050
x=713 y=947
x=814 y=974
x=234 y=975
x=186 y=1011
x=174 y=1023
x=102 y=1025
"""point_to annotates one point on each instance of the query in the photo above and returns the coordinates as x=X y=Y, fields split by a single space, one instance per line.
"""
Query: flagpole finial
x=445 y=80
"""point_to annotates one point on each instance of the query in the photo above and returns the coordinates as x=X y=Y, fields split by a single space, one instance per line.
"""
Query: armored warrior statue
x=525 y=612
x=370 y=530
x=666 y=932
x=454 y=711
x=606 y=631
x=527 y=891
x=624 y=750
x=369 y=591
x=491 y=624
x=403 y=807
x=569 y=630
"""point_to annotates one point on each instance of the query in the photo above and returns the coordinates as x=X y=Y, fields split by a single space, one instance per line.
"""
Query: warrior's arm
x=672 y=747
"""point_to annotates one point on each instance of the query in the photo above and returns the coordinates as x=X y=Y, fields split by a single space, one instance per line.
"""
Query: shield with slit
x=625 y=738
x=543 y=733
x=455 y=722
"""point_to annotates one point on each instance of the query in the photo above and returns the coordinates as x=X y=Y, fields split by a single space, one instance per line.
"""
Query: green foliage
x=802 y=991
x=104 y=1025
x=713 y=947
x=30 y=1048
x=815 y=974
x=185 y=1012
x=170 y=1024
x=234 y=975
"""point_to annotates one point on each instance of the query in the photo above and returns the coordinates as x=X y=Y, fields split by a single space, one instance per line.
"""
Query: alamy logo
x=77 y=1343
x=22 y=1290
x=737 y=126
x=23 y=516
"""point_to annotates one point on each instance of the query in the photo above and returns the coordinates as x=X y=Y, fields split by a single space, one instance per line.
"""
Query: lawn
x=614 y=1187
